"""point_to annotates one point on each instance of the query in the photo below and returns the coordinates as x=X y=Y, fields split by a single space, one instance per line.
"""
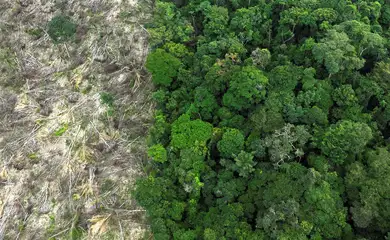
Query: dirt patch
x=73 y=120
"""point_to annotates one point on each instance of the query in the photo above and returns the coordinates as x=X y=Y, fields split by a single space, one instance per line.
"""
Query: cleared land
x=73 y=120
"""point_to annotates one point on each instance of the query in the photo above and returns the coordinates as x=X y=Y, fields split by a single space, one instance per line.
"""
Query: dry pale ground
x=68 y=161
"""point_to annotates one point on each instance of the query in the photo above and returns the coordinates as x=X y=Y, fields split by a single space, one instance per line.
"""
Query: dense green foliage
x=273 y=120
x=61 y=29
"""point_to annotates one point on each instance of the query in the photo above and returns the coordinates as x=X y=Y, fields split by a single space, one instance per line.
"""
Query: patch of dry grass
x=67 y=161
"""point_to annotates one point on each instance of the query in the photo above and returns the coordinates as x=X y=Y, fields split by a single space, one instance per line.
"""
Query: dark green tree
x=344 y=138
x=267 y=113
x=367 y=183
x=231 y=144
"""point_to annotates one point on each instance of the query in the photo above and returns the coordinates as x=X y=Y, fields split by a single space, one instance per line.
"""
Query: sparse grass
x=87 y=89
x=52 y=226
x=34 y=158
x=76 y=232
x=107 y=186
x=124 y=15
x=21 y=226
x=59 y=132
x=84 y=153
x=35 y=32
x=108 y=99
x=7 y=57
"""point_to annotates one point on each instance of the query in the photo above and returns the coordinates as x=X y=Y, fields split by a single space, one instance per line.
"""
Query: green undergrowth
x=60 y=29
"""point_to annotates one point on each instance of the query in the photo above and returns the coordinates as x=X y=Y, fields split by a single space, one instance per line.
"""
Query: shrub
x=61 y=29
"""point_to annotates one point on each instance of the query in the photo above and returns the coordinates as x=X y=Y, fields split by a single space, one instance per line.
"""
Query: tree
x=158 y=133
x=163 y=66
x=267 y=113
x=365 y=41
x=315 y=92
x=158 y=153
x=243 y=164
x=231 y=144
x=345 y=96
x=324 y=209
x=319 y=163
x=367 y=184
x=187 y=133
x=344 y=138
x=216 y=20
x=315 y=115
x=287 y=143
x=261 y=57
x=297 y=202
x=264 y=120
x=253 y=24
x=381 y=75
x=168 y=25
x=328 y=15
x=188 y=168
x=337 y=53
x=284 y=78
x=205 y=102
x=246 y=87
x=370 y=9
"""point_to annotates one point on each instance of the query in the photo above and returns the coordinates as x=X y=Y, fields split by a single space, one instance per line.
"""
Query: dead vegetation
x=68 y=160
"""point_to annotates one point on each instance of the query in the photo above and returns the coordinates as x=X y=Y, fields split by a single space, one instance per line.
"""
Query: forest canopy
x=272 y=121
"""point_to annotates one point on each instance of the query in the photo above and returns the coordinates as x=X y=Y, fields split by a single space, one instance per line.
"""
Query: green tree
x=263 y=120
x=284 y=78
x=345 y=96
x=216 y=20
x=344 y=138
x=253 y=25
x=231 y=144
x=266 y=115
x=187 y=133
x=337 y=53
x=315 y=115
x=381 y=75
x=365 y=41
x=163 y=66
x=243 y=164
x=158 y=133
x=246 y=88
x=367 y=184
x=158 y=153
x=189 y=167
x=205 y=102
x=315 y=92
x=297 y=202
x=168 y=25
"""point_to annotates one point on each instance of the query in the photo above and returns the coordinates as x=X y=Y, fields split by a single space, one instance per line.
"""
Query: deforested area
x=75 y=108
x=272 y=120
